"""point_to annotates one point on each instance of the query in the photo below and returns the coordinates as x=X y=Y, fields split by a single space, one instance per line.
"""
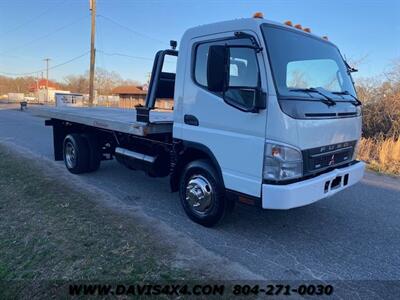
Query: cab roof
x=252 y=24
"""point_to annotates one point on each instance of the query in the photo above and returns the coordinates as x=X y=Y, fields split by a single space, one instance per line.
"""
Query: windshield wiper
x=347 y=93
x=328 y=100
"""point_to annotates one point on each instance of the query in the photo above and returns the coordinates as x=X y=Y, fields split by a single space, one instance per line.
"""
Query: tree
x=77 y=84
x=105 y=81
x=298 y=80
x=16 y=85
x=381 y=109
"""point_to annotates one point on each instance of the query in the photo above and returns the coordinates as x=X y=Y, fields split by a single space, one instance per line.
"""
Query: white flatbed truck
x=264 y=113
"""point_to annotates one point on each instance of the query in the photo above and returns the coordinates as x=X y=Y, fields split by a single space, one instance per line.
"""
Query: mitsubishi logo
x=332 y=161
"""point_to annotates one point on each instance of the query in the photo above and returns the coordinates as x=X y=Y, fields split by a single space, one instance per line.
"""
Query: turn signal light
x=307 y=30
x=298 y=26
x=288 y=23
x=258 y=15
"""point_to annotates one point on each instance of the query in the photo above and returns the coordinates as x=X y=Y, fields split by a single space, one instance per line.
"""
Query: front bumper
x=311 y=190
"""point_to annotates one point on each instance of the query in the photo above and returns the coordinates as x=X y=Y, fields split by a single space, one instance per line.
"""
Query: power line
x=50 y=68
x=45 y=36
x=77 y=57
x=124 y=55
x=130 y=56
x=131 y=30
x=68 y=61
x=32 y=19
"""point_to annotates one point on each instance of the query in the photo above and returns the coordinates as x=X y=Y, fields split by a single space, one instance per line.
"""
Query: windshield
x=300 y=61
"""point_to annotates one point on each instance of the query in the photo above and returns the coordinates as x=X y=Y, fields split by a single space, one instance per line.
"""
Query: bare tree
x=77 y=83
x=105 y=82
x=298 y=80
x=18 y=84
x=381 y=109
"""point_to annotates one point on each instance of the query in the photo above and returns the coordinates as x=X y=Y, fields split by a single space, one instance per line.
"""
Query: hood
x=310 y=133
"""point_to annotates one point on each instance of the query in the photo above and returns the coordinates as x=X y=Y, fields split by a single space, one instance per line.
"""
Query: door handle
x=191 y=120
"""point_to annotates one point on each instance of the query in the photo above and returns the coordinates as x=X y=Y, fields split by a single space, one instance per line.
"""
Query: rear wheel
x=202 y=193
x=76 y=153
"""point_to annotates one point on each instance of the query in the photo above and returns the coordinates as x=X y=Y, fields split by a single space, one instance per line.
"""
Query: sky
x=130 y=32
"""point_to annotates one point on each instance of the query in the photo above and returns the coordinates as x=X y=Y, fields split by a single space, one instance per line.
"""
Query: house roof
x=41 y=83
x=128 y=89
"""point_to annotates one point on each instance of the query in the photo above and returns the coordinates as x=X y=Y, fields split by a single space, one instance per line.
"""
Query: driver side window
x=243 y=71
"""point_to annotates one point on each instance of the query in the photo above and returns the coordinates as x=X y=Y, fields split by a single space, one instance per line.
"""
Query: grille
x=320 y=158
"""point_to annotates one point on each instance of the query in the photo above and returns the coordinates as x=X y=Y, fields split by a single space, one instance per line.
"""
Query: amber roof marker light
x=288 y=23
x=298 y=26
x=258 y=15
x=307 y=30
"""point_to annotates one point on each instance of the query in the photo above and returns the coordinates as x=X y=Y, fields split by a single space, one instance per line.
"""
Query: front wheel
x=202 y=193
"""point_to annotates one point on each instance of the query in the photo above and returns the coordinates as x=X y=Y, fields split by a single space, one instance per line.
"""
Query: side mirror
x=260 y=100
x=218 y=68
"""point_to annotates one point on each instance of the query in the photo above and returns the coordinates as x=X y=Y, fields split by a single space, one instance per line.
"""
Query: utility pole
x=37 y=86
x=47 y=78
x=148 y=78
x=92 y=51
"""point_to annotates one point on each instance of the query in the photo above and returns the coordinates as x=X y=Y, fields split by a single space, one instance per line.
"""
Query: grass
x=51 y=231
x=382 y=155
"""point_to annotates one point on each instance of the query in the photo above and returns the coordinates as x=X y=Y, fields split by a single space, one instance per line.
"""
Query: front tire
x=202 y=193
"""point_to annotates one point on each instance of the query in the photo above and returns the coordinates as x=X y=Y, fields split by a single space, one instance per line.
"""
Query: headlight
x=359 y=110
x=282 y=162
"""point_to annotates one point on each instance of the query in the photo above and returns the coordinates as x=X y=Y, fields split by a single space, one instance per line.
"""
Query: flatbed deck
x=114 y=119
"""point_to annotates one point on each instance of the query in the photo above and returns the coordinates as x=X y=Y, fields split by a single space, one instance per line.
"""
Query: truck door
x=220 y=123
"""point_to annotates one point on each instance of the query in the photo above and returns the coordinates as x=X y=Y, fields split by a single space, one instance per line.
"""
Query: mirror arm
x=241 y=34
x=350 y=69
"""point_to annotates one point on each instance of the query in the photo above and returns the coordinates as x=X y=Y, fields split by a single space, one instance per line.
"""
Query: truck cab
x=275 y=108
x=263 y=113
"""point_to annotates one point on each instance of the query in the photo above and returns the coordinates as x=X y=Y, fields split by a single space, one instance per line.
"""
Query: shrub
x=381 y=105
x=383 y=155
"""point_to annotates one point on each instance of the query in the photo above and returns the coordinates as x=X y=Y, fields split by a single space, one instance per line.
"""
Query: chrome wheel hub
x=70 y=155
x=199 y=194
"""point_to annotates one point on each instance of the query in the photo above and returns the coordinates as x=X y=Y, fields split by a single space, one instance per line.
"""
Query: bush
x=380 y=145
x=381 y=105
x=383 y=155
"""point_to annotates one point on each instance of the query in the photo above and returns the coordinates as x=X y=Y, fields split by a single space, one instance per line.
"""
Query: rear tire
x=202 y=193
x=76 y=153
